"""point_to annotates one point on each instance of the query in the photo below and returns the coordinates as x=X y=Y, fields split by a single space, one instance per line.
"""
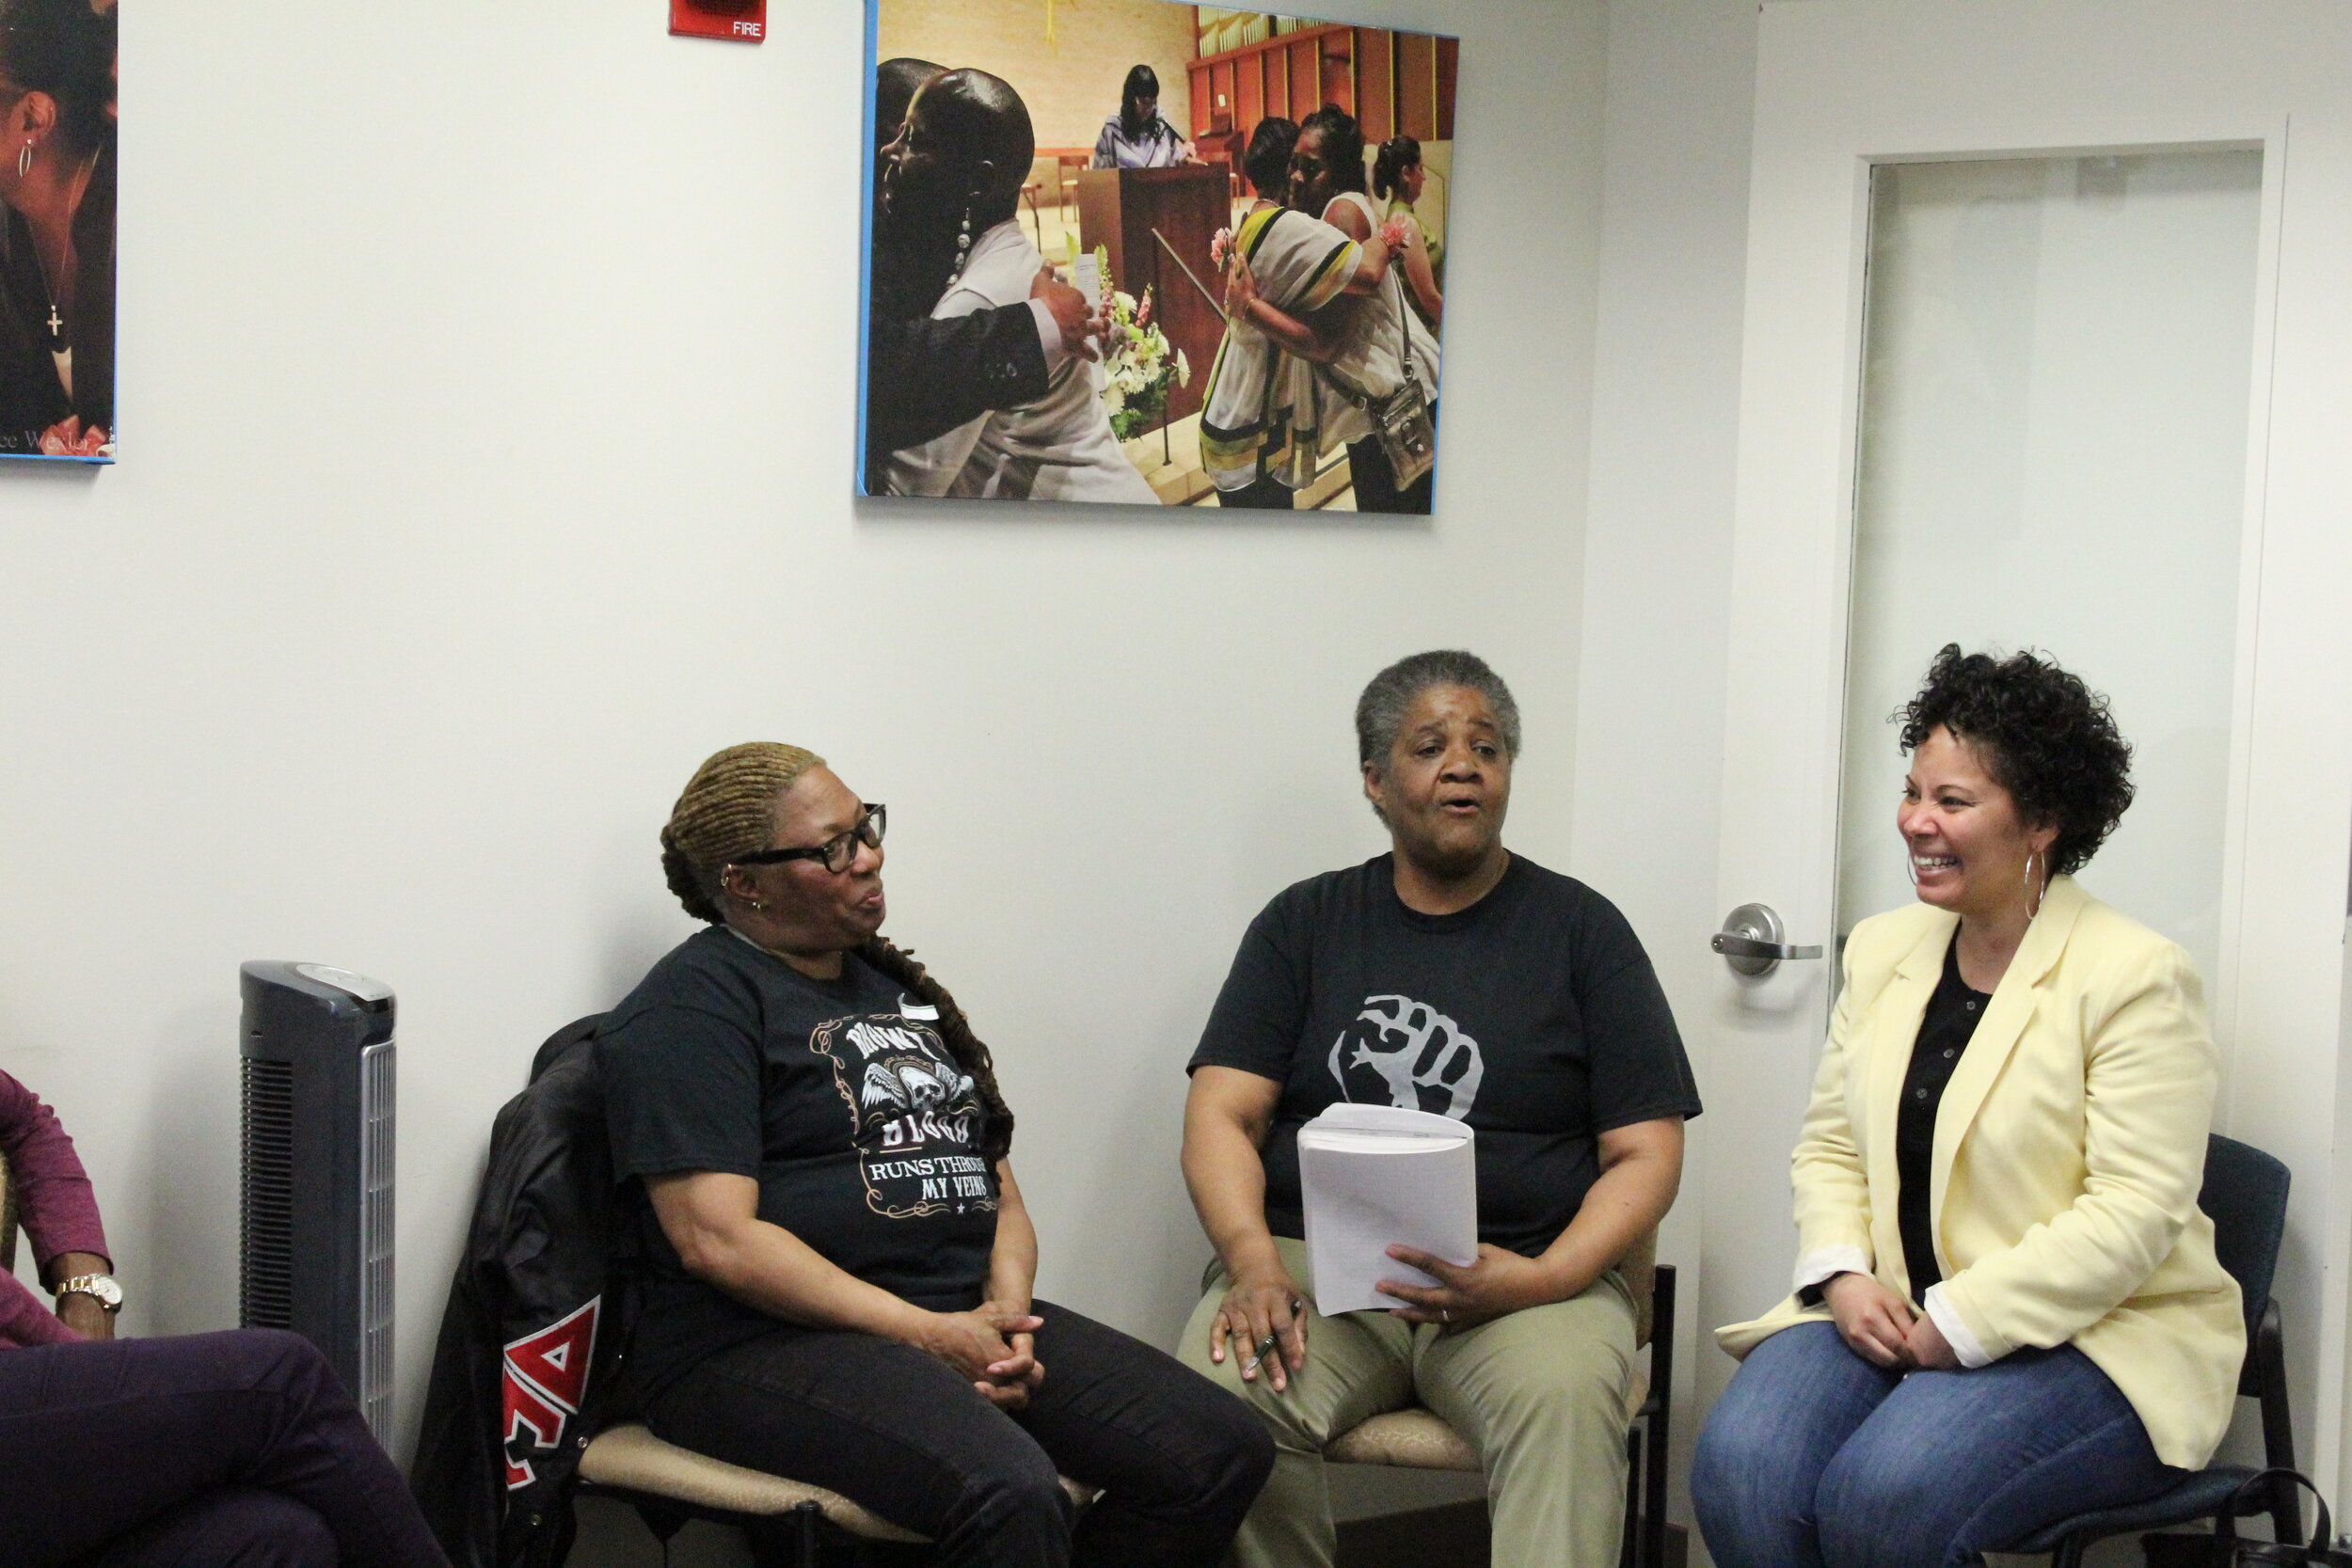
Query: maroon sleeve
x=26 y=1319
x=54 y=1198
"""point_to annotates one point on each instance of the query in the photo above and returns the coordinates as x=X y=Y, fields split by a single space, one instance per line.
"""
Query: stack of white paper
x=1373 y=1177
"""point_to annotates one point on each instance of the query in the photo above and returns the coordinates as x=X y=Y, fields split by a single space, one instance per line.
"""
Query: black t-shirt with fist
x=1534 y=1016
x=839 y=1098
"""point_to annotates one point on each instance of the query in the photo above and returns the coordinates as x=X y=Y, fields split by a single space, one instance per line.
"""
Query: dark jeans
x=1813 y=1456
x=1375 y=481
x=1265 y=492
x=1179 y=1460
x=208 y=1451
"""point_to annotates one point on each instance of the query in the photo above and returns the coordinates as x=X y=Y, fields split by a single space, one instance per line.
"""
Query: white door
x=1845 y=89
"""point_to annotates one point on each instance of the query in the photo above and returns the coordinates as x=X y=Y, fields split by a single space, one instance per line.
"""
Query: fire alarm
x=744 y=21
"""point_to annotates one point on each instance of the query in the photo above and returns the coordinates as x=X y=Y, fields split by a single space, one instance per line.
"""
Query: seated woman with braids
x=839 y=1264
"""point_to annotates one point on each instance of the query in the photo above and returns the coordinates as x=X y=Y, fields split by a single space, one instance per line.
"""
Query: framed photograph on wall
x=57 y=132
x=1155 y=253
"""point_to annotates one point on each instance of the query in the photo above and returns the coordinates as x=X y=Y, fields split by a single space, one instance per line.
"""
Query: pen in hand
x=1258 y=1352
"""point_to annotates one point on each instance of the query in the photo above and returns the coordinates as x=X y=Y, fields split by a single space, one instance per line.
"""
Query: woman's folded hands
x=1880 y=1326
x=993 y=1344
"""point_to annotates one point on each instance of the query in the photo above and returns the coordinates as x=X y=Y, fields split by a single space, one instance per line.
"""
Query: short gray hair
x=1380 y=711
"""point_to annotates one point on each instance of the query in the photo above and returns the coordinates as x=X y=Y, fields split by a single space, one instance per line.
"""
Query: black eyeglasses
x=836 y=852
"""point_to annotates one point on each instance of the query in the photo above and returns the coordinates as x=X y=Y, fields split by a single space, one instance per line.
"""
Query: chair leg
x=791 y=1540
x=2069 y=1552
x=2268 y=1356
x=1658 y=1430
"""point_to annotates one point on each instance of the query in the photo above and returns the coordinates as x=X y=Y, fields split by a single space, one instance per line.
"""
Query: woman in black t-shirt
x=841 y=1263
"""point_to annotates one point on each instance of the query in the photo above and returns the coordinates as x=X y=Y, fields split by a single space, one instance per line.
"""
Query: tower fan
x=317 y=1222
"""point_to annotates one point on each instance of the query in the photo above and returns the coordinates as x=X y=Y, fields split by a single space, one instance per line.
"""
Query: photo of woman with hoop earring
x=57 y=125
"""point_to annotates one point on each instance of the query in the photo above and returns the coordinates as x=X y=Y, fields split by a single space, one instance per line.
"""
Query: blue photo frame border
x=866 y=240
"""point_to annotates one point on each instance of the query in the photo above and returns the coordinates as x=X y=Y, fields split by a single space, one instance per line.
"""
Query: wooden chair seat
x=1415 y=1439
x=629 y=1458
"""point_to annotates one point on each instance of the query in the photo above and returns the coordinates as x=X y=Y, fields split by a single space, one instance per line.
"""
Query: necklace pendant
x=57 y=326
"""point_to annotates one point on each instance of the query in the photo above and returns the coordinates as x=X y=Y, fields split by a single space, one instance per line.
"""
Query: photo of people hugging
x=1227 y=294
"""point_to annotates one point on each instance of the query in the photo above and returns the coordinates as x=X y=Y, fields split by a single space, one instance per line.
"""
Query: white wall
x=1658 y=546
x=487 y=419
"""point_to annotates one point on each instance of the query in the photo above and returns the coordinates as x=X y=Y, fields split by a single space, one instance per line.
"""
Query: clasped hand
x=1079 y=319
x=1241 y=287
x=994 y=1345
x=1880 y=1326
x=1499 y=1281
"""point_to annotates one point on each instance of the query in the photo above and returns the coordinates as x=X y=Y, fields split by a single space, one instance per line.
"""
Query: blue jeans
x=1815 y=1457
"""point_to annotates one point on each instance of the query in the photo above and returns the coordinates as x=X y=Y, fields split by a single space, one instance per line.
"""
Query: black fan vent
x=267 y=1280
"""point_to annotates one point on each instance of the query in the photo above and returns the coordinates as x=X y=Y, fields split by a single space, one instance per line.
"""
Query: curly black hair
x=2043 y=735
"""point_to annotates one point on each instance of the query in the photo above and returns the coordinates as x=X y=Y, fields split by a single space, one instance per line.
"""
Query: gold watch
x=100 y=1287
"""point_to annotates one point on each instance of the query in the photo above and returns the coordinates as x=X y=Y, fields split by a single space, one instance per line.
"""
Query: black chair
x=2246 y=1196
x=1646 y=1479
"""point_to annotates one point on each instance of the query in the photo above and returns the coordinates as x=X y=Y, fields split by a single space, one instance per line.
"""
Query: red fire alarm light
x=744 y=21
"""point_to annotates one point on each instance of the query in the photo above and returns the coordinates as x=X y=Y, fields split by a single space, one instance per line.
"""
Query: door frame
x=1842 y=86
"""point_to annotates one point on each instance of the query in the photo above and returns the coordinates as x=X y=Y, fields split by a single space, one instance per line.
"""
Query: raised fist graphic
x=1415 y=1053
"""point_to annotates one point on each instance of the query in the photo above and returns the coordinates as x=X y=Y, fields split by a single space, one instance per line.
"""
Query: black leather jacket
x=538 y=1317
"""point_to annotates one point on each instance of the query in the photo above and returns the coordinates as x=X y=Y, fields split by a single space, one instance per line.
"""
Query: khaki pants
x=1539 y=1394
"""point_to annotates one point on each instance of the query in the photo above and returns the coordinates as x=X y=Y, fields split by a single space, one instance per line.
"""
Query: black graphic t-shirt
x=838 y=1097
x=1534 y=1016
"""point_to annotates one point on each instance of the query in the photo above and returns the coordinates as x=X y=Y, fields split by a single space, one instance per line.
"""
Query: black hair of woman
x=1267 y=162
x=1142 y=83
x=1396 y=155
x=1342 y=145
x=2045 y=736
x=65 y=49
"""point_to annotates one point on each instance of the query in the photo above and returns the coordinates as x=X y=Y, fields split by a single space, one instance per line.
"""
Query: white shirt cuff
x=1048 y=336
x=1947 y=1322
x=1824 y=1262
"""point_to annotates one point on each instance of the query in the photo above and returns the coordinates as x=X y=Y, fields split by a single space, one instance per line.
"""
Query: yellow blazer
x=2069 y=1149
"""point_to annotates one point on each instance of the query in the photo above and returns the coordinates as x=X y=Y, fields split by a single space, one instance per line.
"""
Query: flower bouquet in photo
x=1138 y=366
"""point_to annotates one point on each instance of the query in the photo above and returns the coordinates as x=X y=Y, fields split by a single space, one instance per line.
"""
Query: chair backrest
x=1640 y=1268
x=7 y=1220
x=2245 y=1196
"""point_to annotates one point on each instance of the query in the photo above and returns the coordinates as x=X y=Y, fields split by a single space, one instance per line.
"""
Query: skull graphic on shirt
x=913 y=1115
x=1409 y=1053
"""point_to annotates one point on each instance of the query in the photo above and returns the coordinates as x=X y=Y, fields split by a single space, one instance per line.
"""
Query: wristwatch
x=99 y=1286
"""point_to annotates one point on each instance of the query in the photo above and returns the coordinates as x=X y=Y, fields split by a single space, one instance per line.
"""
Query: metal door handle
x=1751 y=941
x=1748 y=948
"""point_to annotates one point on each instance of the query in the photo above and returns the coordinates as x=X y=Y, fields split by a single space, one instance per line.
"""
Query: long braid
x=971 y=1055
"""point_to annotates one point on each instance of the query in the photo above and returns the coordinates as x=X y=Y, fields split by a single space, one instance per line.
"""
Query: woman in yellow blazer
x=2007 y=1307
